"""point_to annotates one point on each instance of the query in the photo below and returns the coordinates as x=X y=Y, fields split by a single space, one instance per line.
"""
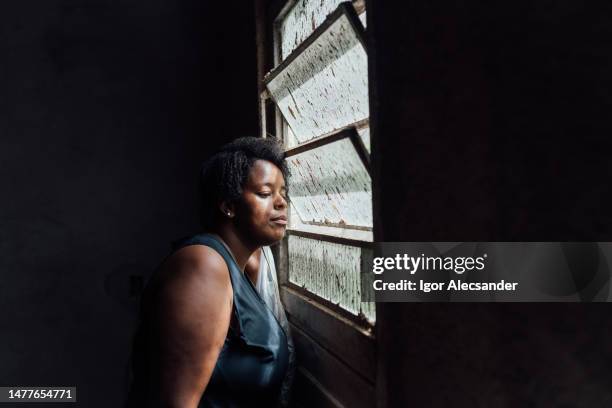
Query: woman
x=206 y=337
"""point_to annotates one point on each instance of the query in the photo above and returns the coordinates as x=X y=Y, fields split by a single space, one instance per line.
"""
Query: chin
x=273 y=237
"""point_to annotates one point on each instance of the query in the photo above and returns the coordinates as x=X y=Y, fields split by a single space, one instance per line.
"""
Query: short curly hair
x=223 y=176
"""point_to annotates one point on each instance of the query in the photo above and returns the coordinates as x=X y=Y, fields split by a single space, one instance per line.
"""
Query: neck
x=240 y=249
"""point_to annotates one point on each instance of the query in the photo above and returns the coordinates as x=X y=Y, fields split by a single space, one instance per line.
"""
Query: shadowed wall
x=491 y=123
x=107 y=109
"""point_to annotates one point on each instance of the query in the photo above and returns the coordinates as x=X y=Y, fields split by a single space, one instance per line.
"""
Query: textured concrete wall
x=490 y=121
x=106 y=110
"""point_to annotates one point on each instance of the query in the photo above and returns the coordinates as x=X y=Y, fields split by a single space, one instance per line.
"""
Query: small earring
x=229 y=214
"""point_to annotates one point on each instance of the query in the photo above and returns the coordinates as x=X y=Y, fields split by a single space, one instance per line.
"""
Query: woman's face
x=262 y=212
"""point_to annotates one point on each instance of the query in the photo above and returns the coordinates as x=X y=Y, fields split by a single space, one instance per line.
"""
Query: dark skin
x=195 y=293
x=252 y=267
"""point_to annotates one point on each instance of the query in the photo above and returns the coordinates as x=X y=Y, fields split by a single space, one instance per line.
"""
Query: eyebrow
x=272 y=185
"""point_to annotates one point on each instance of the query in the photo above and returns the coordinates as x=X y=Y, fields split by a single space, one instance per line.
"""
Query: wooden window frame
x=326 y=326
x=349 y=132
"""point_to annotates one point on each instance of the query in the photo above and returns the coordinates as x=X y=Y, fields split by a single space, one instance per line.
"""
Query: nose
x=280 y=202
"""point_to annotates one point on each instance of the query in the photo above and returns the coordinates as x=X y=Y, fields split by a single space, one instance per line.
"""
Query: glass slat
x=302 y=20
x=331 y=271
x=325 y=88
x=331 y=186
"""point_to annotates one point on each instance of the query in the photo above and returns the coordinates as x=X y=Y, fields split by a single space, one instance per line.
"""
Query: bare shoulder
x=195 y=277
x=196 y=263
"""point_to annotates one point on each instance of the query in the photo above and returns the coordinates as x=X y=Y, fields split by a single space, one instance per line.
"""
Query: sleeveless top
x=253 y=360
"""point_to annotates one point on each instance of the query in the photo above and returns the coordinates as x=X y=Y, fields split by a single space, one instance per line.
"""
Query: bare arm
x=193 y=314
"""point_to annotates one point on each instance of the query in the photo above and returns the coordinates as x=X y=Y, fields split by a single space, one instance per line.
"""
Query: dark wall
x=491 y=123
x=500 y=115
x=107 y=109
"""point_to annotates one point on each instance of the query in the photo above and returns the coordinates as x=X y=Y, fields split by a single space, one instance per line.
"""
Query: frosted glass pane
x=302 y=20
x=290 y=140
x=331 y=186
x=325 y=87
x=366 y=235
x=331 y=271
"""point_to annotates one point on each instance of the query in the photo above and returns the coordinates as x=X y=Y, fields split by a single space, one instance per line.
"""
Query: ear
x=227 y=209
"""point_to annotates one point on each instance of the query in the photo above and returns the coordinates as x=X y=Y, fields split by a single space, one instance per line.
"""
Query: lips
x=281 y=220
